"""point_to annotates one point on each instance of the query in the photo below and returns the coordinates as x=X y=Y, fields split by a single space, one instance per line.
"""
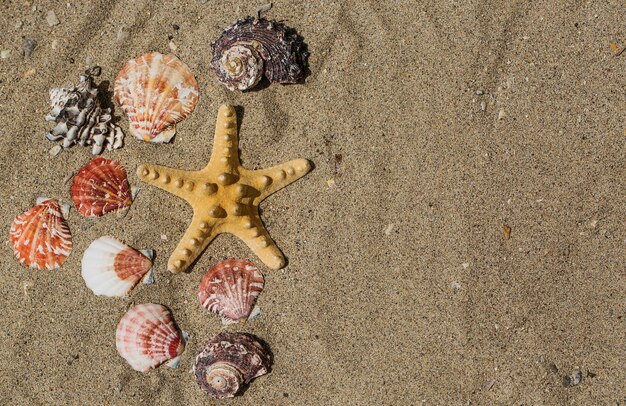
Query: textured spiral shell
x=254 y=47
x=229 y=361
x=40 y=236
x=112 y=268
x=230 y=288
x=101 y=187
x=147 y=336
x=156 y=91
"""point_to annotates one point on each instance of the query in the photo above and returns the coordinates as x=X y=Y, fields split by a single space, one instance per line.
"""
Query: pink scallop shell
x=101 y=187
x=230 y=288
x=147 y=336
x=156 y=91
x=112 y=268
x=40 y=236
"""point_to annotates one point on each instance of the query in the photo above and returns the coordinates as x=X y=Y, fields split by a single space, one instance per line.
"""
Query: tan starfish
x=225 y=196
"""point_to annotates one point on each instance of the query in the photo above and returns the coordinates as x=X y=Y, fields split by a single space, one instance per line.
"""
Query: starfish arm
x=253 y=233
x=175 y=181
x=270 y=180
x=225 y=154
x=199 y=234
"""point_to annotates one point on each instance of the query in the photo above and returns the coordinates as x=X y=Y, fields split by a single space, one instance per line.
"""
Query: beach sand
x=431 y=127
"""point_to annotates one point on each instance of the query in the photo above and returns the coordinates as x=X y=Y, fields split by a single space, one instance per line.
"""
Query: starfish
x=225 y=196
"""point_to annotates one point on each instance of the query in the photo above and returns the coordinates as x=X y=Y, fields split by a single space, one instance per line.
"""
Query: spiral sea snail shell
x=229 y=361
x=256 y=47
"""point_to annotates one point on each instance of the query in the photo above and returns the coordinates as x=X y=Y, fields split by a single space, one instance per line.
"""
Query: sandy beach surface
x=434 y=127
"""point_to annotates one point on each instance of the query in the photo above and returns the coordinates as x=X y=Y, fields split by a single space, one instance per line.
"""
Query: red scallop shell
x=40 y=236
x=101 y=187
x=147 y=336
x=230 y=288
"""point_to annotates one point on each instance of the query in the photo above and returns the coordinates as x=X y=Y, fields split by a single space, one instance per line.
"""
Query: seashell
x=156 y=91
x=40 y=236
x=254 y=47
x=230 y=288
x=229 y=361
x=112 y=268
x=80 y=119
x=101 y=187
x=147 y=336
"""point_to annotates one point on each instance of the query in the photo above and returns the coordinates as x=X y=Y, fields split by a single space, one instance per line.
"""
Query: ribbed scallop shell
x=156 y=91
x=229 y=361
x=147 y=336
x=101 y=187
x=230 y=288
x=40 y=236
x=253 y=47
x=112 y=268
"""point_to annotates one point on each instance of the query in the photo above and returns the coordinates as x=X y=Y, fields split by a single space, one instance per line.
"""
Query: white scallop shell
x=112 y=268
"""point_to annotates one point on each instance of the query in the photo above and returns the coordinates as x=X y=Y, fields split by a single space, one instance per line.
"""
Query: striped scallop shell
x=230 y=288
x=147 y=336
x=101 y=187
x=156 y=91
x=112 y=268
x=40 y=236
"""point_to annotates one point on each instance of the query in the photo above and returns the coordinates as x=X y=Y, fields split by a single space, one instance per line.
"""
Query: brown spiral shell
x=229 y=361
x=253 y=47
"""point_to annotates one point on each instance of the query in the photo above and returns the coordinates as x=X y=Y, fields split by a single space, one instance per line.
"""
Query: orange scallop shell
x=156 y=91
x=40 y=236
x=101 y=187
x=230 y=288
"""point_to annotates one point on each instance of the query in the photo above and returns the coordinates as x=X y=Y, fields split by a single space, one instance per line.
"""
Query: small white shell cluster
x=80 y=119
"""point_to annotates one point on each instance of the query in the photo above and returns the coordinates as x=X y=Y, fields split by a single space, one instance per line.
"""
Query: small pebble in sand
x=28 y=46
x=389 y=229
x=483 y=105
x=68 y=177
x=55 y=44
x=5 y=53
x=479 y=92
x=121 y=34
x=164 y=237
x=29 y=73
x=18 y=24
x=489 y=384
x=331 y=183
x=172 y=46
x=465 y=265
x=56 y=150
x=574 y=379
x=25 y=286
x=506 y=231
x=52 y=19
x=501 y=114
x=455 y=285
x=70 y=360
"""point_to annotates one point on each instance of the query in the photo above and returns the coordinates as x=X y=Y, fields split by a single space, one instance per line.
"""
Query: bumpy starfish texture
x=225 y=196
